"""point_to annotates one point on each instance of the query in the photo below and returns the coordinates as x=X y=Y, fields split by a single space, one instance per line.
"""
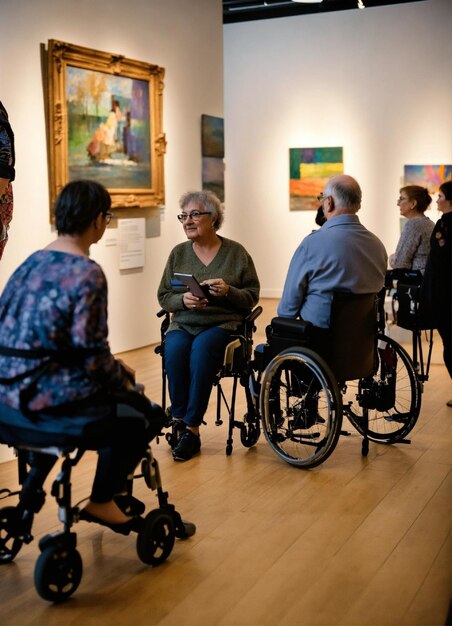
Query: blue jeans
x=192 y=362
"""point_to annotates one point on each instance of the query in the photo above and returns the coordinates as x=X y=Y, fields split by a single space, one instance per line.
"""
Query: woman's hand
x=217 y=287
x=193 y=302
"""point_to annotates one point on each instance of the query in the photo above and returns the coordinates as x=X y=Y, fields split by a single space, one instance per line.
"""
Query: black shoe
x=188 y=445
x=129 y=505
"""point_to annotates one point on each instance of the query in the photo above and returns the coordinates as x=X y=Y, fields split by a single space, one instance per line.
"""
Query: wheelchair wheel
x=10 y=544
x=156 y=539
x=391 y=397
x=58 y=573
x=301 y=407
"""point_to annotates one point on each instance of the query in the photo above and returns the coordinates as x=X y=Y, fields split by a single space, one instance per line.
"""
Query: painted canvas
x=108 y=129
x=310 y=168
x=212 y=148
x=105 y=123
x=429 y=176
x=212 y=136
x=213 y=176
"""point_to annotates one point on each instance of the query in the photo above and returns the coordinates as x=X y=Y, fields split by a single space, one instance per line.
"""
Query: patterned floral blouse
x=56 y=300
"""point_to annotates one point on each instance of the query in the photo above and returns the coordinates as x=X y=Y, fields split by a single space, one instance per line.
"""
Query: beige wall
x=186 y=38
x=377 y=82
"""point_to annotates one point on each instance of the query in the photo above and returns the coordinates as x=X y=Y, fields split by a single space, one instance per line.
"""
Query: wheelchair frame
x=302 y=402
x=58 y=570
x=237 y=365
x=411 y=280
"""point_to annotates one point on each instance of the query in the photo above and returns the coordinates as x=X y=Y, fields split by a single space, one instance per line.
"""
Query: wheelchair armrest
x=253 y=315
x=289 y=328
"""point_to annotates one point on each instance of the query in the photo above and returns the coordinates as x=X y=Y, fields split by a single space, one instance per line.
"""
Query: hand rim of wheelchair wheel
x=317 y=372
x=390 y=422
x=155 y=540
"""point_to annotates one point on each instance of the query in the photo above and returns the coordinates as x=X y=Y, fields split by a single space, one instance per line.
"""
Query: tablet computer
x=190 y=281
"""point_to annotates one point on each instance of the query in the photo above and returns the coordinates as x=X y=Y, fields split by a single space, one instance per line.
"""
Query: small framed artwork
x=310 y=168
x=212 y=148
x=105 y=124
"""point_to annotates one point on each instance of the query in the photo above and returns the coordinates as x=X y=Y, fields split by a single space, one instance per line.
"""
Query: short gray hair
x=206 y=201
x=345 y=191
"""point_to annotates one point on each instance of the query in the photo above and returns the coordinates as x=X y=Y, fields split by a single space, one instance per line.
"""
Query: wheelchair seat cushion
x=284 y=333
x=85 y=430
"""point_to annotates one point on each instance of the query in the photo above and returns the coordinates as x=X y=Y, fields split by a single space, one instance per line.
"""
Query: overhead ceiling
x=247 y=10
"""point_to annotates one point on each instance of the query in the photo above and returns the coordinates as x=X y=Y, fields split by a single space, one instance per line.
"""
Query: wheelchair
x=310 y=377
x=59 y=567
x=237 y=365
x=404 y=288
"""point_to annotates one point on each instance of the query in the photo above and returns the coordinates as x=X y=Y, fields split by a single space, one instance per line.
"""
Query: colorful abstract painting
x=212 y=146
x=430 y=176
x=310 y=168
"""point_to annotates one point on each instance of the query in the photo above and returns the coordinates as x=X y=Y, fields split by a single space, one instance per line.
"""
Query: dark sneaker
x=188 y=445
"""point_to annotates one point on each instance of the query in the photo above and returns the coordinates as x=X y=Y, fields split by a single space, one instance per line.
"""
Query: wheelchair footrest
x=345 y=433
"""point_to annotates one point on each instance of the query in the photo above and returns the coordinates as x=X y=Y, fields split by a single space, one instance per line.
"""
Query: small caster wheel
x=58 y=573
x=10 y=544
x=156 y=538
x=249 y=435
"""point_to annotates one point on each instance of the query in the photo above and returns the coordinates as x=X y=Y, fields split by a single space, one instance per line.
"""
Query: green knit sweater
x=233 y=264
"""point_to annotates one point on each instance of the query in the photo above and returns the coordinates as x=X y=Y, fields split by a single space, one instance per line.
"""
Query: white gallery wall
x=377 y=82
x=186 y=38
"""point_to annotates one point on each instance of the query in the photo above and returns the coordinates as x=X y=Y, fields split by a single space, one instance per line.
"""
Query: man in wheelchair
x=342 y=255
x=330 y=290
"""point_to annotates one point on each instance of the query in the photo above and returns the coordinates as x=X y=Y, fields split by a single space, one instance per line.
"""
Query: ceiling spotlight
x=361 y=4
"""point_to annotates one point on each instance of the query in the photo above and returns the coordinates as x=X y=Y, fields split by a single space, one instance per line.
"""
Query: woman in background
x=7 y=174
x=414 y=243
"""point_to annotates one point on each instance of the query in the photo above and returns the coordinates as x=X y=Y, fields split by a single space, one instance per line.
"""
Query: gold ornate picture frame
x=105 y=117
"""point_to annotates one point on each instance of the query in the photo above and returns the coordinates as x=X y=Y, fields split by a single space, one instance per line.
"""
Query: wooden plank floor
x=356 y=541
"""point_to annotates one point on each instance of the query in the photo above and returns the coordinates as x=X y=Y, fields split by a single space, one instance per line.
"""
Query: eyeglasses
x=401 y=199
x=194 y=215
x=321 y=198
x=108 y=215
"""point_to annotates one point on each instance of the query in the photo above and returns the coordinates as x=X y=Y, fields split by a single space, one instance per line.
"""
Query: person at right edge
x=7 y=174
x=436 y=291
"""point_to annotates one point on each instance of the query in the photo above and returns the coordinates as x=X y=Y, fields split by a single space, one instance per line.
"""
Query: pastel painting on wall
x=429 y=176
x=212 y=146
x=310 y=168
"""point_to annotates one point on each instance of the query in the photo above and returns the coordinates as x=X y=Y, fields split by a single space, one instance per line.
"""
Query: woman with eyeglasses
x=414 y=243
x=57 y=374
x=201 y=328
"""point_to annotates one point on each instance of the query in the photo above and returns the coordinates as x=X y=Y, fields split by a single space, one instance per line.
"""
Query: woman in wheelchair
x=57 y=374
x=201 y=327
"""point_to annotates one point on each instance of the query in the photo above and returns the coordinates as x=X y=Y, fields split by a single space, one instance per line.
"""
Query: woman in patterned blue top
x=56 y=366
